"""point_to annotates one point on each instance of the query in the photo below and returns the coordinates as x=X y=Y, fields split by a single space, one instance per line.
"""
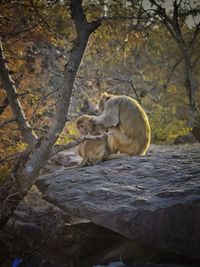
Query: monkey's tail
x=81 y=164
x=117 y=156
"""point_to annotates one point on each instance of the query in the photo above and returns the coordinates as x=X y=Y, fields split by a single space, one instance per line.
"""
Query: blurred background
x=149 y=50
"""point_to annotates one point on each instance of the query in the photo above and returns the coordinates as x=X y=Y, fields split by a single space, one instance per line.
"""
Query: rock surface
x=154 y=200
x=41 y=235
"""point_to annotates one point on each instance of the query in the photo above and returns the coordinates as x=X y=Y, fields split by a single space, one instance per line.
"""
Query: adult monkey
x=129 y=123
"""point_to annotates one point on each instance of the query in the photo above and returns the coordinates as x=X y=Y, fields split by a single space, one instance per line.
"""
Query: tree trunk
x=189 y=82
x=31 y=166
x=188 y=69
x=172 y=24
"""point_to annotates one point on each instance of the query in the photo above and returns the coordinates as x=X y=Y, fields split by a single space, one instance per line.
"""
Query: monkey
x=92 y=151
x=128 y=121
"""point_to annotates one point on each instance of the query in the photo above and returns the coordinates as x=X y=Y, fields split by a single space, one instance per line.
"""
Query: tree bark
x=9 y=87
x=34 y=162
x=189 y=81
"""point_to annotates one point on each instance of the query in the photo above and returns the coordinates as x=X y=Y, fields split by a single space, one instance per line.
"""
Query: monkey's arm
x=109 y=117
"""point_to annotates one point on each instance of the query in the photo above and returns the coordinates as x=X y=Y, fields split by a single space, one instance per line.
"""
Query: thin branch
x=196 y=60
x=16 y=32
x=41 y=100
x=165 y=19
x=9 y=87
x=135 y=91
x=132 y=86
x=171 y=71
x=42 y=153
x=32 y=163
x=195 y=34
x=4 y=106
x=175 y=22
x=76 y=142
x=7 y=121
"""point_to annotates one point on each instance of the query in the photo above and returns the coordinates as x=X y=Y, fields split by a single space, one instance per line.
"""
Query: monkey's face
x=85 y=125
x=83 y=128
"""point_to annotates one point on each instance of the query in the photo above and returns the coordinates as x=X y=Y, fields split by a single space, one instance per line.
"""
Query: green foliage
x=120 y=58
x=69 y=134
x=165 y=126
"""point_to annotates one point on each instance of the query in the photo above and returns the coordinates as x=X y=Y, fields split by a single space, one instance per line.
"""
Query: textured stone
x=154 y=200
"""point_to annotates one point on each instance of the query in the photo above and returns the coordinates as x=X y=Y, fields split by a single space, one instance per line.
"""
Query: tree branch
x=4 y=106
x=9 y=87
x=7 y=121
x=196 y=32
x=130 y=82
x=165 y=19
x=42 y=153
x=32 y=163
x=16 y=32
x=171 y=71
x=76 y=142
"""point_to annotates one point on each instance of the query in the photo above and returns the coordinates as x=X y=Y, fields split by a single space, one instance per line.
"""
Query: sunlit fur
x=132 y=133
x=92 y=152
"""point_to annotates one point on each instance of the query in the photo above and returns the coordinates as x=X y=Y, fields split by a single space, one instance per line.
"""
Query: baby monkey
x=92 y=151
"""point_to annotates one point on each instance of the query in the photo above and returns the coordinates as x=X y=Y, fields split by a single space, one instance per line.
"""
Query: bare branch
x=41 y=100
x=16 y=32
x=32 y=163
x=173 y=26
x=7 y=121
x=9 y=87
x=196 y=32
x=76 y=142
x=171 y=71
x=165 y=19
x=42 y=153
x=4 y=106
x=196 y=60
x=135 y=91
x=175 y=22
x=82 y=25
x=130 y=82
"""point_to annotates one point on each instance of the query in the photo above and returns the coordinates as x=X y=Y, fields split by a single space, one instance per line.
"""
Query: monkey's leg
x=81 y=164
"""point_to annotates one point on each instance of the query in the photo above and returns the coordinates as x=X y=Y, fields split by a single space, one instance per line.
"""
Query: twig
x=10 y=88
x=7 y=121
x=76 y=142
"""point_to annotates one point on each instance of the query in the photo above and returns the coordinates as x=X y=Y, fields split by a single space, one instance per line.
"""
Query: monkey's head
x=85 y=124
x=104 y=97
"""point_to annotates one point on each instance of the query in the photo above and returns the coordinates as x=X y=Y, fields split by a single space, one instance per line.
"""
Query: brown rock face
x=153 y=200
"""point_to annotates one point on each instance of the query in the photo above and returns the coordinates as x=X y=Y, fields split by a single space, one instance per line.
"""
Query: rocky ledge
x=153 y=200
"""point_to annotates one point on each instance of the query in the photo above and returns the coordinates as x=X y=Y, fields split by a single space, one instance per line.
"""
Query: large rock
x=154 y=200
x=43 y=236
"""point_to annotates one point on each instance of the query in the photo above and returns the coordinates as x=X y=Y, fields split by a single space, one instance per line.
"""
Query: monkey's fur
x=127 y=120
x=92 y=151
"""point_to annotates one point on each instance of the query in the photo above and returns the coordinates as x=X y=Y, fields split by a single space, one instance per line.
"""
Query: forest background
x=149 y=50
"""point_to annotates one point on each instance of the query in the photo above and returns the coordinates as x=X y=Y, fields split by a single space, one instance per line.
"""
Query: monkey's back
x=94 y=151
x=133 y=123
